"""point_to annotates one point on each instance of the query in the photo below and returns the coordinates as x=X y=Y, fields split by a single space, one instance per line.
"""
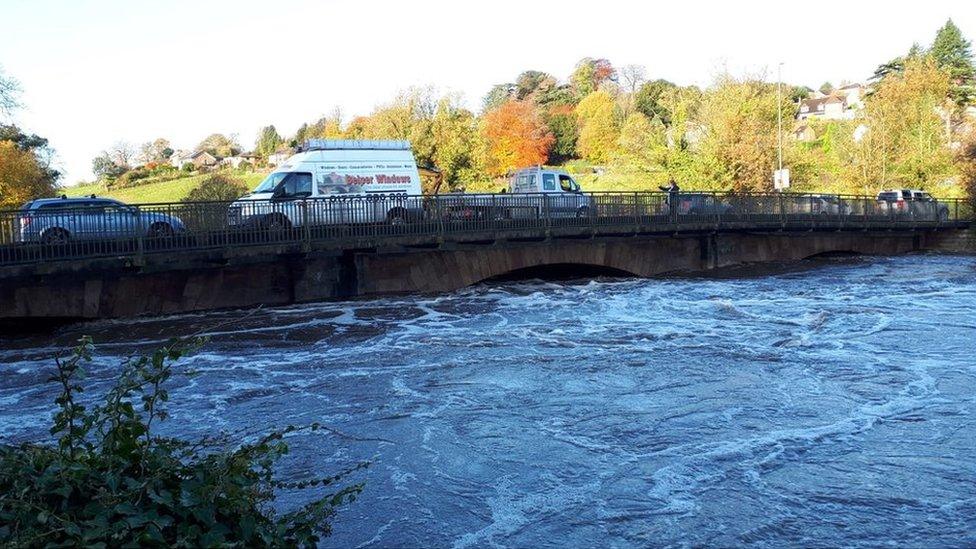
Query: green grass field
x=150 y=193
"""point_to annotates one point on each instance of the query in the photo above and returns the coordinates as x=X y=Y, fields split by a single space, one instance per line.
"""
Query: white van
x=335 y=181
x=560 y=192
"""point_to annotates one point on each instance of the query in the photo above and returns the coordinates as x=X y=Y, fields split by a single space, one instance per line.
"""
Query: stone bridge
x=304 y=271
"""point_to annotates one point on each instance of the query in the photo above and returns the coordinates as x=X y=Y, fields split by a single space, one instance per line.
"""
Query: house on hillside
x=236 y=161
x=278 y=158
x=840 y=104
x=804 y=132
x=199 y=159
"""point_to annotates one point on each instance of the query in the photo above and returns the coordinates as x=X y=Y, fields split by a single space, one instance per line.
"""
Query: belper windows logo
x=392 y=179
x=380 y=179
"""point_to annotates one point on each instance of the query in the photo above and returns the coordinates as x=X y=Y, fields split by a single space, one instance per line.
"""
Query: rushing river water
x=830 y=403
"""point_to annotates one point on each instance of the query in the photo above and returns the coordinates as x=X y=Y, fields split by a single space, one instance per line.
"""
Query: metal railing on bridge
x=61 y=229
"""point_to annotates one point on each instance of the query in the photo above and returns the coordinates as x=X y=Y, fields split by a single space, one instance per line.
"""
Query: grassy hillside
x=165 y=191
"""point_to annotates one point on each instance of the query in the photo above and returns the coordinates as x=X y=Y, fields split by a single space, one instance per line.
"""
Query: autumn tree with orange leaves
x=515 y=136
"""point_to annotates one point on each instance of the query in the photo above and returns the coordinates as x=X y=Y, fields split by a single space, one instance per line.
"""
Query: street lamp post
x=779 y=115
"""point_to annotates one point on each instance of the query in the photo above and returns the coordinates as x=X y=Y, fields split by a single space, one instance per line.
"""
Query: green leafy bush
x=111 y=481
x=217 y=188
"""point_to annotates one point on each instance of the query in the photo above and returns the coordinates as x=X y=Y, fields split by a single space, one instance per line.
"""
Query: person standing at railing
x=672 y=201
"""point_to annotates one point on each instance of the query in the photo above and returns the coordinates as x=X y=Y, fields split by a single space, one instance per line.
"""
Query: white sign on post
x=781 y=179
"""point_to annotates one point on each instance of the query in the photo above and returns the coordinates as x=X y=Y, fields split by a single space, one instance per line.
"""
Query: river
x=822 y=404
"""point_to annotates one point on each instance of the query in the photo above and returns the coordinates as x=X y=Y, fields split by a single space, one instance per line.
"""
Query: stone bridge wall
x=278 y=279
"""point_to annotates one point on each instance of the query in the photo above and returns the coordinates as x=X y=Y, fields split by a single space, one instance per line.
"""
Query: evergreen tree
x=952 y=53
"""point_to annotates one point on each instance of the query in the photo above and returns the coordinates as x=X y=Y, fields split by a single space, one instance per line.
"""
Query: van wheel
x=397 y=216
x=55 y=237
x=583 y=212
x=276 y=222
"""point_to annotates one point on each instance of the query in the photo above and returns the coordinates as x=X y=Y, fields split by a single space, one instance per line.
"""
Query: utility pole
x=779 y=115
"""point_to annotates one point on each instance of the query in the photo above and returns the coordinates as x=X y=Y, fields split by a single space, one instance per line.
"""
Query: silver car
x=58 y=220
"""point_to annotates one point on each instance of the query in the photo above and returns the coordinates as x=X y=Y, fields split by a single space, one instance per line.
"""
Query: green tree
x=105 y=168
x=905 y=143
x=648 y=100
x=826 y=88
x=531 y=82
x=268 y=140
x=220 y=145
x=599 y=126
x=217 y=188
x=455 y=141
x=561 y=121
x=498 y=94
x=642 y=145
x=590 y=73
x=157 y=150
x=739 y=119
x=953 y=53
x=108 y=478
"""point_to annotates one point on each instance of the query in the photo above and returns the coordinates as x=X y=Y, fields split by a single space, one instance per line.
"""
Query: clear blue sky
x=95 y=72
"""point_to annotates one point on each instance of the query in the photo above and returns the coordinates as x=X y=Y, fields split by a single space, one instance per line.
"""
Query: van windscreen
x=270 y=182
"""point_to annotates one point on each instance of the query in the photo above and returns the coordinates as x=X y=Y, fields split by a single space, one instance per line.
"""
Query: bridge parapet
x=173 y=230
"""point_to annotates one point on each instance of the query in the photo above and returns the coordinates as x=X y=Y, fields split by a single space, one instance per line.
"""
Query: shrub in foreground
x=109 y=480
x=217 y=188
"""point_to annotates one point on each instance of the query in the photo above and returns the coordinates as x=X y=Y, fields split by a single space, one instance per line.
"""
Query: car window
x=907 y=195
x=888 y=196
x=548 y=182
x=565 y=183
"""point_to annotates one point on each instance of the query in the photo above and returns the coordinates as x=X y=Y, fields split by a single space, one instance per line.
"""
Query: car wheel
x=55 y=237
x=276 y=223
x=396 y=217
x=160 y=230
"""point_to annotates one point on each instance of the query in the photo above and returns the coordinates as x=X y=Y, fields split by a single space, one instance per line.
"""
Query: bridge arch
x=561 y=271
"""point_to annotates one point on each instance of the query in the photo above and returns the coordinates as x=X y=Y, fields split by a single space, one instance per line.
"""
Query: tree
x=561 y=121
x=641 y=146
x=105 y=168
x=633 y=77
x=268 y=140
x=952 y=53
x=36 y=145
x=217 y=188
x=220 y=145
x=157 y=151
x=107 y=476
x=326 y=127
x=22 y=178
x=648 y=100
x=967 y=167
x=454 y=134
x=590 y=74
x=122 y=154
x=9 y=92
x=739 y=118
x=515 y=137
x=599 y=126
x=498 y=94
x=905 y=143
x=826 y=88
x=530 y=82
